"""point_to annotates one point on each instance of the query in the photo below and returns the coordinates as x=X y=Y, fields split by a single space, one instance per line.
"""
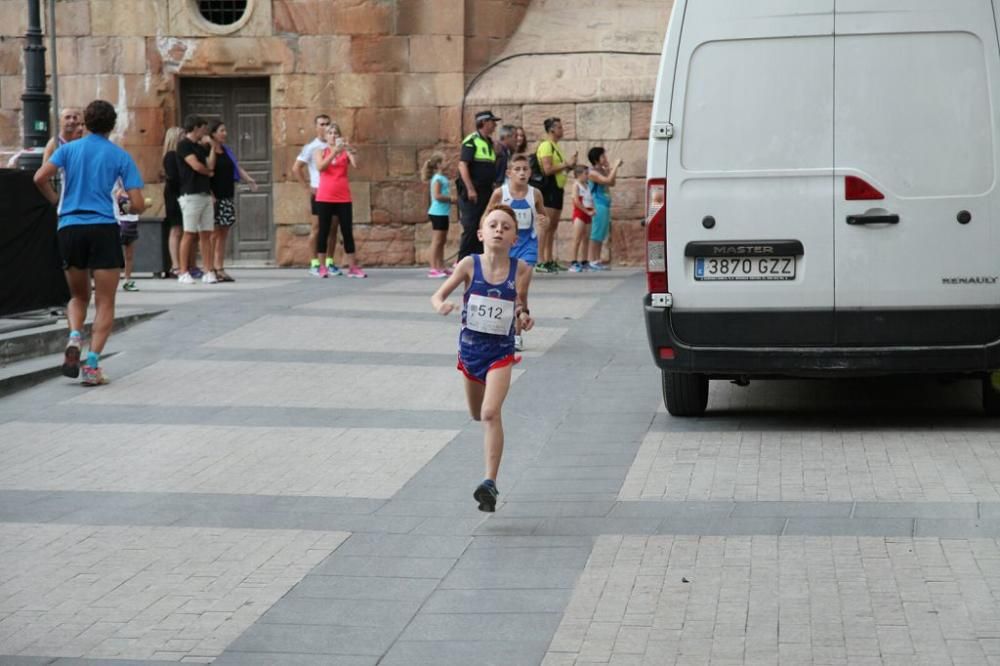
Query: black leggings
x=344 y=212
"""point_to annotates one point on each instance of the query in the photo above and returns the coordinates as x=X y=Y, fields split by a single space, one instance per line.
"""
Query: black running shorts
x=91 y=246
x=438 y=222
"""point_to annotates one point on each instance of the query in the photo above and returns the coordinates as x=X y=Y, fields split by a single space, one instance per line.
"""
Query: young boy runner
x=88 y=233
x=493 y=282
x=583 y=212
x=528 y=207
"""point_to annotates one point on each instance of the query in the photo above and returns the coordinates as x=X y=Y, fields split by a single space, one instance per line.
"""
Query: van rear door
x=750 y=174
x=916 y=124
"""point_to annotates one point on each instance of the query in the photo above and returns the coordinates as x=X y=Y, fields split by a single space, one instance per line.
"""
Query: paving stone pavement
x=281 y=470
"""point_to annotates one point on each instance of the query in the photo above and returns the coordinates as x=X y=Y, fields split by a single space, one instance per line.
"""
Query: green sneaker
x=130 y=286
x=543 y=267
x=556 y=266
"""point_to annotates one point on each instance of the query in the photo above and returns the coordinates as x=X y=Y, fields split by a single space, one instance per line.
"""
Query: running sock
x=489 y=482
x=93 y=359
x=75 y=334
x=314 y=263
x=329 y=262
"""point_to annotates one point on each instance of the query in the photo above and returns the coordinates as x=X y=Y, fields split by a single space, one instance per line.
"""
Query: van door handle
x=872 y=219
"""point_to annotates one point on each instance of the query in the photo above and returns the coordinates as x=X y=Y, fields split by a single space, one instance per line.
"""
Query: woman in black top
x=171 y=190
x=227 y=173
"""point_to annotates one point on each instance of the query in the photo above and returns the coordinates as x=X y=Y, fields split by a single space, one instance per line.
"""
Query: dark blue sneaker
x=486 y=494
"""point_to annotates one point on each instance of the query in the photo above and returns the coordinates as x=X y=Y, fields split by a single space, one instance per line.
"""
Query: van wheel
x=686 y=394
x=991 y=398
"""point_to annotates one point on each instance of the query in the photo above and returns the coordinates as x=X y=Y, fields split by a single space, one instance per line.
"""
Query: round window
x=223 y=12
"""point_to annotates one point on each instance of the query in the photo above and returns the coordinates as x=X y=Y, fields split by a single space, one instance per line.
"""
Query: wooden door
x=244 y=105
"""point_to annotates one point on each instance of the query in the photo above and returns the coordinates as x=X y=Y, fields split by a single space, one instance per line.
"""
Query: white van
x=822 y=194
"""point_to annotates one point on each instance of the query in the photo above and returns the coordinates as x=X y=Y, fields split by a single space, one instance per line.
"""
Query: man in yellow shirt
x=554 y=167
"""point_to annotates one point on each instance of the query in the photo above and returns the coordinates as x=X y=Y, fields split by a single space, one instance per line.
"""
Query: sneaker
x=356 y=272
x=197 y=272
x=448 y=271
x=518 y=343
x=209 y=278
x=556 y=266
x=584 y=266
x=486 y=494
x=598 y=266
x=185 y=278
x=71 y=358
x=130 y=286
x=543 y=268
x=332 y=270
x=93 y=376
x=575 y=267
x=436 y=274
x=314 y=271
x=323 y=272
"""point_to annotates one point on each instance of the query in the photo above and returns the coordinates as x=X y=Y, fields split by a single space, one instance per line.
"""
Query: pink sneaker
x=448 y=271
x=434 y=273
x=93 y=376
x=356 y=272
x=324 y=272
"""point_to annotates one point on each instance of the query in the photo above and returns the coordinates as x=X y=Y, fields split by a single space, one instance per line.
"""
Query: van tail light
x=858 y=189
x=656 y=235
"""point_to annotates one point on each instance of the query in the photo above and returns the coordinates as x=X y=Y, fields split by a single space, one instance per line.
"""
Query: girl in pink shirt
x=333 y=198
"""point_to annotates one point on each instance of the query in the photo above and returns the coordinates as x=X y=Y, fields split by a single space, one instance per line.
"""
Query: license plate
x=744 y=268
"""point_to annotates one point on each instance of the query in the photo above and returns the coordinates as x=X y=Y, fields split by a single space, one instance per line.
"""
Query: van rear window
x=913 y=110
x=759 y=104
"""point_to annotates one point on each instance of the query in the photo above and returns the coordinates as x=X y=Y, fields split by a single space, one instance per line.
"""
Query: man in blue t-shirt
x=88 y=234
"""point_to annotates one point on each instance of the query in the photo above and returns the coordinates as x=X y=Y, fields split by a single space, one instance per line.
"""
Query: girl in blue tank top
x=495 y=296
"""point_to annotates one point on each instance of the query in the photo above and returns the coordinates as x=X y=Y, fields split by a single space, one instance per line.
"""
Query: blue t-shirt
x=439 y=207
x=91 y=166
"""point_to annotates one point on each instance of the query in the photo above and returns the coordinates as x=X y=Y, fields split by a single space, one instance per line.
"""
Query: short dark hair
x=520 y=157
x=594 y=154
x=320 y=117
x=550 y=123
x=100 y=117
x=192 y=122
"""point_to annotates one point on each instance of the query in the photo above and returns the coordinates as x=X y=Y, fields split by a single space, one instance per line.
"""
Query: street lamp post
x=35 y=101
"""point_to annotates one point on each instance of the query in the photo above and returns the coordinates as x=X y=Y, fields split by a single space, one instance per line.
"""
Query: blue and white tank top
x=524 y=209
x=488 y=309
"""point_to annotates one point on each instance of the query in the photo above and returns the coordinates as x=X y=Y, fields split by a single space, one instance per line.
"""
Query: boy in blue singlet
x=493 y=284
x=529 y=207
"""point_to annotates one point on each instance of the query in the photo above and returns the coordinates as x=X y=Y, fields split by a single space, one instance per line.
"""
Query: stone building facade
x=395 y=74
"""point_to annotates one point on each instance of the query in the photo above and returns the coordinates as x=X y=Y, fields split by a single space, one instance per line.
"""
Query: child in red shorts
x=583 y=210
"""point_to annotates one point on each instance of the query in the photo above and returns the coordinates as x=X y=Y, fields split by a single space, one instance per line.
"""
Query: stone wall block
x=436 y=53
x=292 y=248
x=603 y=120
x=240 y=56
x=642 y=113
x=362 y=17
x=142 y=126
x=149 y=159
x=385 y=245
x=283 y=161
x=361 y=198
x=365 y=90
x=628 y=243
x=399 y=125
x=14 y=17
x=534 y=115
x=11 y=57
x=638 y=88
x=402 y=161
x=10 y=127
x=415 y=201
x=430 y=90
x=371 y=53
x=490 y=18
x=11 y=89
x=449 y=124
x=72 y=18
x=291 y=204
x=124 y=17
x=386 y=201
x=324 y=55
x=372 y=162
x=301 y=17
x=102 y=55
x=295 y=90
x=430 y=17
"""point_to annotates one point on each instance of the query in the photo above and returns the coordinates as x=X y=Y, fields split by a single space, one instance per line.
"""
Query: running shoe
x=196 y=272
x=224 y=276
x=71 y=358
x=448 y=271
x=598 y=266
x=356 y=272
x=130 y=286
x=518 y=343
x=543 y=268
x=486 y=494
x=93 y=376
x=333 y=270
x=314 y=271
x=185 y=278
x=575 y=267
x=209 y=278
x=323 y=272
x=436 y=274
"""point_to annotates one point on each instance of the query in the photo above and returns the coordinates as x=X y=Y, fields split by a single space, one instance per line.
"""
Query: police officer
x=477 y=171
